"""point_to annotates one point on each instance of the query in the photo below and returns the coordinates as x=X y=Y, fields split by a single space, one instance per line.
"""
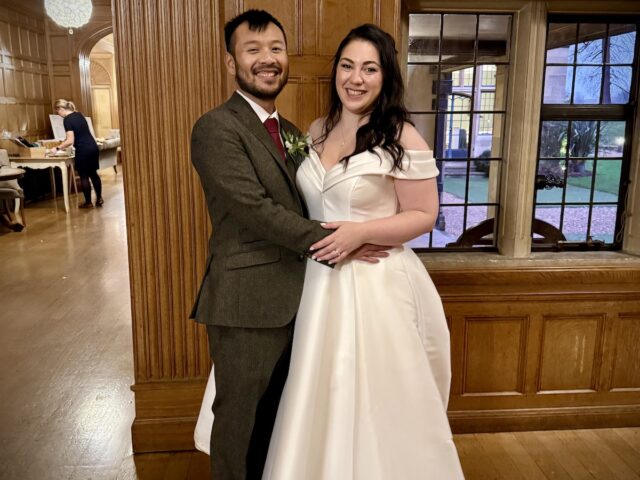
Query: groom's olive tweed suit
x=253 y=278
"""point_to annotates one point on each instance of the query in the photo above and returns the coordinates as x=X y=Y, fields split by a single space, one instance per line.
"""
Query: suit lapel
x=248 y=117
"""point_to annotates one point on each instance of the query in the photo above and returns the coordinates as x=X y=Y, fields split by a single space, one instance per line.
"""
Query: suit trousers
x=251 y=367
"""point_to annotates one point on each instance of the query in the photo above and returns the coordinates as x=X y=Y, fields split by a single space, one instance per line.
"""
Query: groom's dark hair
x=257 y=20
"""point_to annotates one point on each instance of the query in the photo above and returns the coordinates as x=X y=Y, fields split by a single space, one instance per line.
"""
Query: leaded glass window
x=456 y=93
x=584 y=148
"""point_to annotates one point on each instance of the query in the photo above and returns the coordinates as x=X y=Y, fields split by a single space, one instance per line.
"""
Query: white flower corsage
x=297 y=145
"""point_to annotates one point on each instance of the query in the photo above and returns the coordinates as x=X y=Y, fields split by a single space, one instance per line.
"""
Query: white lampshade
x=69 y=13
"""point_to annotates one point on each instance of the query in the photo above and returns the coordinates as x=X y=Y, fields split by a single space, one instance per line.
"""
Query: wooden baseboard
x=166 y=414
x=163 y=434
x=513 y=420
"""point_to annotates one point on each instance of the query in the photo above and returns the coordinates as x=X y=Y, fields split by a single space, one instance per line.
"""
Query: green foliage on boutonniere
x=297 y=145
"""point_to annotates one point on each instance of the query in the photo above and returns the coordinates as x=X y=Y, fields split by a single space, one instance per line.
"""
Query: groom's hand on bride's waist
x=370 y=253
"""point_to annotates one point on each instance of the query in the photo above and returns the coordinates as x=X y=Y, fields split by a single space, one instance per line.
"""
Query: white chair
x=10 y=191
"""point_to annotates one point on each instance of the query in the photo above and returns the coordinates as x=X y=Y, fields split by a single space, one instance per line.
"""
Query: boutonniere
x=297 y=145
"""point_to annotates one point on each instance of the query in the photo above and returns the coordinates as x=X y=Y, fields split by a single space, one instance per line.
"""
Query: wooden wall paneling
x=390 y=19
x=568 y=353
x=288 y=12
x=571 y=349
x=495 y=355
x=322 y=101
x=290 y=100
x=336 y=17
x=626 y=354
x=23 y=66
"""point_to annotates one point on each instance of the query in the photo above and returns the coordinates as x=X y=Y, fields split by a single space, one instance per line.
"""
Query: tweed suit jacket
x=260 y=238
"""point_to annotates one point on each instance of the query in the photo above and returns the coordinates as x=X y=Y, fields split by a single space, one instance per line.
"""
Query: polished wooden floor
x=66 y=367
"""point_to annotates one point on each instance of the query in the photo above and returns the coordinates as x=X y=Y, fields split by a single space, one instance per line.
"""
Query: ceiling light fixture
x=69 y=13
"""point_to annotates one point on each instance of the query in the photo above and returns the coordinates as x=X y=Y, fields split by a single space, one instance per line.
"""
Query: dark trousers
x=86 y=186
x=251 y=366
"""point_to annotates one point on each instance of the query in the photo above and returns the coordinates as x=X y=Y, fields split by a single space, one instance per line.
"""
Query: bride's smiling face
x=359 y=76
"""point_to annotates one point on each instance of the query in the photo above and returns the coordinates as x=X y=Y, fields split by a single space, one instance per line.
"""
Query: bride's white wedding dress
x=368 y=386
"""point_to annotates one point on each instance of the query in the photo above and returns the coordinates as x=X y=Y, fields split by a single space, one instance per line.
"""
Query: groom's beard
x=249 y=82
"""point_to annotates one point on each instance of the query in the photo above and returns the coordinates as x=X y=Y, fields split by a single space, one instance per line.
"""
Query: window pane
x=553 y=141
x=500 y=89
x=551 y=175
x=487 y=138
x=488 y=75
x=579 y=181
x=561 y=37
x=493 y=38
x=479 y=183
x=454 y=136
x=458 y=38
x=426 y=126
x=424 y=38
x=470 y=78
x=557 y=84
x=453 y=219
x=460 y=76
x=549 y=214
x=421 y=242
x=622 y=41
x=617 y=84
x=455 y=180
x=589 y=67
x=421 y=80
x=590 y=43
x=611 y=140
x=486 y=168
x=575 y=223
x=583 y=138
x=455 y=80
x=487 y=101
x=587 y=86
x=608 y=179
x=603 y=222
x=477 y=215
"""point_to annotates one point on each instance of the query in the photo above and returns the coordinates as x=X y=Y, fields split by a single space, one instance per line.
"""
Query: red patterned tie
x=271 y=124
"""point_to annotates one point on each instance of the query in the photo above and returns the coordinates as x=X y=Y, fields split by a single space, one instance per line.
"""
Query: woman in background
x=86 y=159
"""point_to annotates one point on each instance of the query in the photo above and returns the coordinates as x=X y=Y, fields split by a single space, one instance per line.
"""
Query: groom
x=257 y=252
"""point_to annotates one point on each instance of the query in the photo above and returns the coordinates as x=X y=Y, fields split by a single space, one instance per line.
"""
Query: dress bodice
x=364 y=190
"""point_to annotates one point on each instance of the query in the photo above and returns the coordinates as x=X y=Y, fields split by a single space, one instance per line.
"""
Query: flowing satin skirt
x=368 y=385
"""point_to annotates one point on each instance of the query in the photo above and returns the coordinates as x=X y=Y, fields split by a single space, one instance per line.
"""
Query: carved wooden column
x=168 y=64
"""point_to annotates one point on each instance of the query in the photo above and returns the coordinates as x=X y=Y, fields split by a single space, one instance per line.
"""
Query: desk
x=5 y=213
x=63 y=163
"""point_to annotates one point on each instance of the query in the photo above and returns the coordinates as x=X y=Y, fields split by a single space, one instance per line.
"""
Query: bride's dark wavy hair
x=388 y=115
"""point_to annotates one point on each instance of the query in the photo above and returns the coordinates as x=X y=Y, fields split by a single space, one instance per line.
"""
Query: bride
x=368 y=386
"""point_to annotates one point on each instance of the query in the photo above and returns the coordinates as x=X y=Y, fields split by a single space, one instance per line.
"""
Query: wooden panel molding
x=626 y=364
x=571 y=350
x=494 y=355
x=334 y=19
x=579 y=358
x=24 y=74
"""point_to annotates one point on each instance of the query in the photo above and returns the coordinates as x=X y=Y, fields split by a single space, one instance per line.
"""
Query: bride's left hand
x=334 y=248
